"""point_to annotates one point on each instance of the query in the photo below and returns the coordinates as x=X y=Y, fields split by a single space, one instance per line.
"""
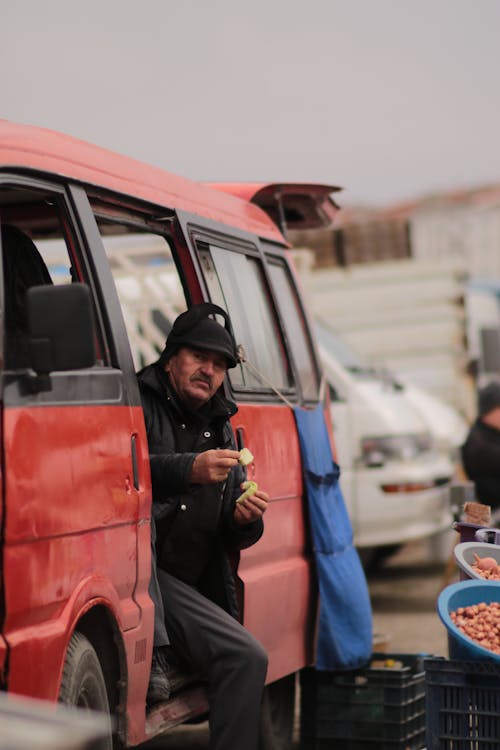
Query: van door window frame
x=105 y=290
x=254 y=318
x=149 y=222
x=243 y=242
x=279 y=261
x=63 y=193
x=99 y=384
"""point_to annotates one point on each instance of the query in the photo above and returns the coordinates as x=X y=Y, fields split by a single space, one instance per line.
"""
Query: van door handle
x=135 y=466
x=240 y=442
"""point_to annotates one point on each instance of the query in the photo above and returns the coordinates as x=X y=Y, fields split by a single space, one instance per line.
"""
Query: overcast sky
x=391 y=99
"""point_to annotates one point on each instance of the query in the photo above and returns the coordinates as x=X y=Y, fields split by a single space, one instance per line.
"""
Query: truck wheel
x=83 y=684
x=277 y=716
x=373 y=558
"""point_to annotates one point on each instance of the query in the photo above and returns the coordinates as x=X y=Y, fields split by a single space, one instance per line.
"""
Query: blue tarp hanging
x=345 y=635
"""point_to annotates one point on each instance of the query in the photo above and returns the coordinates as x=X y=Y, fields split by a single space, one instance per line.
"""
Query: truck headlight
x=377 y=450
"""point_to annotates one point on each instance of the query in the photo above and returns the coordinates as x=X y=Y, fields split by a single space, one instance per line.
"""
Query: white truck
x=395 y=468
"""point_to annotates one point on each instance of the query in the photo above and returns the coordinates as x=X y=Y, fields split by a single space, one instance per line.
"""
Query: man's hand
x=213 y=466
x=251 y=508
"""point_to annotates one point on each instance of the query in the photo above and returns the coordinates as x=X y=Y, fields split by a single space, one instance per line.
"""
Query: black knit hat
x=194 y=328
x=488 y=398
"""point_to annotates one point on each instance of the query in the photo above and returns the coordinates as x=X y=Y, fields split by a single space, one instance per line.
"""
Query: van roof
x=26 y=147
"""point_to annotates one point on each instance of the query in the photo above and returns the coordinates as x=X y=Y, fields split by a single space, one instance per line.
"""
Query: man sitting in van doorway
x=196 y=479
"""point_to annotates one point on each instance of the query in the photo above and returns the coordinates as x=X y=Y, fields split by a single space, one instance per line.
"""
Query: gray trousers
x=232 y=660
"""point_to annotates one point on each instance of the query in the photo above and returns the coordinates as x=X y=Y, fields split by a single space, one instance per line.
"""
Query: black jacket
x=175 y=437
x=481 y=461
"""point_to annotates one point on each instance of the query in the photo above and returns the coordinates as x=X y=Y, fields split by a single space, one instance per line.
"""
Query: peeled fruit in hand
x=249 y=488
x=245 y=457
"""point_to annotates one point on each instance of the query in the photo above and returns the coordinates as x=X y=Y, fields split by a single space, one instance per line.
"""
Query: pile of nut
x=486 y=567
x=481 y=622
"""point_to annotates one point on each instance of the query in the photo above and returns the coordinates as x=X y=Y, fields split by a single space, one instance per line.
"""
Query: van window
x=38 y=248
x=148 y=285
x=236 y=282
x=298 y=336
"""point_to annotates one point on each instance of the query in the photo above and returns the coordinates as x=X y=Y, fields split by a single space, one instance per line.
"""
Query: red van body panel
x=70 y=431
x=86 y=551
x=276 y=572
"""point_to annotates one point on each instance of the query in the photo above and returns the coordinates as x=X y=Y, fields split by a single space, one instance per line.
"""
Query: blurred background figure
x=481 y=449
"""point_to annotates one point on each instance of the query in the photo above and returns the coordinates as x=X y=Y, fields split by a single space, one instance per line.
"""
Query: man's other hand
x=251 y=508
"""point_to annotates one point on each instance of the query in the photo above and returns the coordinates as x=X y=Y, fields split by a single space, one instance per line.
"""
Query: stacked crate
x=462 y=704
x=381 y=707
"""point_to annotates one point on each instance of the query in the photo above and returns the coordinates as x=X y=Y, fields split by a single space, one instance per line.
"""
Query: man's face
x=196 y=375
x=492 y=418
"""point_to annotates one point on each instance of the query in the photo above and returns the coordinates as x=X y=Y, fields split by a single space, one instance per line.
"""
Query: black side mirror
x=60 y=328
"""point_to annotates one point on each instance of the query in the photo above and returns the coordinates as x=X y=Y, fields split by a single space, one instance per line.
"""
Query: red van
x=99 y=253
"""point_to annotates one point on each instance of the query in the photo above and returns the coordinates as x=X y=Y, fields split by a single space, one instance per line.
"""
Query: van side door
x=74 y=475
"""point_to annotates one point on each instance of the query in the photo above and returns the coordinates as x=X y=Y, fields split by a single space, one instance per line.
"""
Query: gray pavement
x=404 y=594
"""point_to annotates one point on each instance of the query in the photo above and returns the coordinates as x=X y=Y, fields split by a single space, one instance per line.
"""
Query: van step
x=188 y=704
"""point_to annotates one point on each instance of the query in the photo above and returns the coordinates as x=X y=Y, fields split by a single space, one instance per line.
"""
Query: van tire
x=83 y=684
x=277 y=715
x=373 y=558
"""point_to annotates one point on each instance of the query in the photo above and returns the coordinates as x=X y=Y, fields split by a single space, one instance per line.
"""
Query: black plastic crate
x=367 y=709
x=462 y=704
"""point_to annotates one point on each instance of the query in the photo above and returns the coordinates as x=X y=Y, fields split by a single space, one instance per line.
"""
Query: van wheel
x=277 y=715
x=373 y=558
x=83 y=684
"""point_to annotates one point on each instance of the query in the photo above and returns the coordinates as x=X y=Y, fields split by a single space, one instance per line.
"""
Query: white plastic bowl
x=464 y=556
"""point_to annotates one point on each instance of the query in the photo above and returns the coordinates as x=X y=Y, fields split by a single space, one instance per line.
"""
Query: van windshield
x=350 y=359
x=340 y=349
